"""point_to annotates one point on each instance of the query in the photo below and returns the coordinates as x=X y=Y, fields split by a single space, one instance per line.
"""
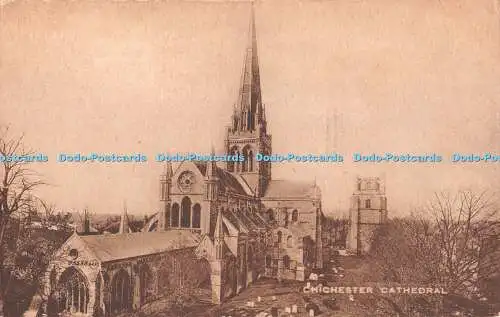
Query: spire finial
x=252 y=40
x=252 y=21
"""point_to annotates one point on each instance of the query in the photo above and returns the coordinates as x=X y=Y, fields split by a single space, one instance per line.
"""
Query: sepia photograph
x=249 y=158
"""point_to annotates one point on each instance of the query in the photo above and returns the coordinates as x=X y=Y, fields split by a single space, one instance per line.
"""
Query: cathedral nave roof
x=129 y=245
x=290 y=189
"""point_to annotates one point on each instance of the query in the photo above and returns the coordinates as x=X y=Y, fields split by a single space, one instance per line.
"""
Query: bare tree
x=48 y=210
x=18 y=180
x=405 y=252
x=18 y=183
x=451 y=243
x=465 y=223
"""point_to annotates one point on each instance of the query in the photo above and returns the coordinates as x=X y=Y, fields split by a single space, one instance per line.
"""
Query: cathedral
x=219 y=228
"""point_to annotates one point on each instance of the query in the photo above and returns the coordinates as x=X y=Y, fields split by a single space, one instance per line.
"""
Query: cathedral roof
x=231 y=216
x=245 y=221
x=231 y=181
x=258 y=220
x=253 y=223
x=228 y=180
x=290 y=189
x=129 y=245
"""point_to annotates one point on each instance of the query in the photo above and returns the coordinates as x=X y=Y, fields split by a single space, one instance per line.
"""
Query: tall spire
x=124 y=228
x=249 y=111
x=248 y=133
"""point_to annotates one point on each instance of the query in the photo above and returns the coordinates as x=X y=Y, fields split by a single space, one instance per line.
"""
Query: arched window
x=105 y=277
x=204 y=272
x=268 y=261
x=270 y=215
x=175 y=215
x=247 y=165
x=196 y=216
x=230 y=164
x=238 y=163
x=295 y=215
x=250 y=161
x=244 y=165
x=285 y=217
x=186 y=212
x=249 y=121
x=97 y=298
x=286 y=262
x=367 y=203
x=279 y=237
x=121 y=292
x=146 y=283
x=72 y=290
x=235 y=123
x=289 y=242
x=167 y=215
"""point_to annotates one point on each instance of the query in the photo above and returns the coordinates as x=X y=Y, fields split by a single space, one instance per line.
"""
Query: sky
x=409 y=76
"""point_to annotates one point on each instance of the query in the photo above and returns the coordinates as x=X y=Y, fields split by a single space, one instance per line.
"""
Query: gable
x=188 y=172
x=206 y=249
x=74 y=251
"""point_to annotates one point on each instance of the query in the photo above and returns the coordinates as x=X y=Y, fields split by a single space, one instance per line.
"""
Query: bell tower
x=247 y=135
x=368 y=211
